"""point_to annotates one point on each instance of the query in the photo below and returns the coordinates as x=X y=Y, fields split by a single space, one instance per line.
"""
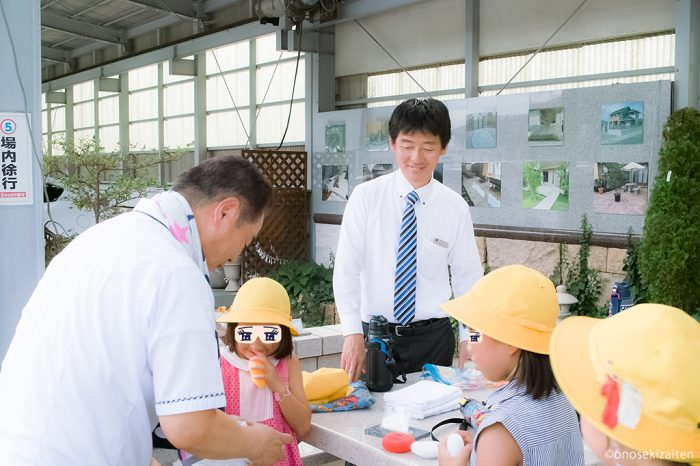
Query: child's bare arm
x=294 y=406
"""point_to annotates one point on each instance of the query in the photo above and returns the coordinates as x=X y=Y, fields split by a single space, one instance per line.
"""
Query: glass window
x=266 y=50
x=143 y=77
x=218 y=96
x=143 y=105
x=178 y=99
x=109 y=138
x=83 y=135
x=225 y=129
x=603 y=57
x=109 y=110
x=272 y=121
x=144 y=135
x=56 y=137
x=281 y=86
x=230 y=57
x=84 y=114
x=58 y=118
x=84 y=91
x=178 y=132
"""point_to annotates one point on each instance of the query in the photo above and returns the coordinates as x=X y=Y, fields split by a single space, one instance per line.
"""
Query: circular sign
x=8 y=126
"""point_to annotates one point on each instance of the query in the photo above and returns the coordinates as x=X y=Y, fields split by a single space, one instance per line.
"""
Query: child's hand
x=462 y=459
x=264 y=370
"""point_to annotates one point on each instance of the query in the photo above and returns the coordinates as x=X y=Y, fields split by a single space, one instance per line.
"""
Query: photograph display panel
x=509 y=153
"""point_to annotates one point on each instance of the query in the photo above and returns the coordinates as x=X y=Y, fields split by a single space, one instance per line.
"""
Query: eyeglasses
x=266 y=333
x=475 y=337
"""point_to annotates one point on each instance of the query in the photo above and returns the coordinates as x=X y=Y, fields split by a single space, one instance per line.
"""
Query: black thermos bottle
x=378 y=350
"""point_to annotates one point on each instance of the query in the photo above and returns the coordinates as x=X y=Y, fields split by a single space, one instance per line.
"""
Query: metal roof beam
x=179 y=7
x=84 y=29
x=54 y=55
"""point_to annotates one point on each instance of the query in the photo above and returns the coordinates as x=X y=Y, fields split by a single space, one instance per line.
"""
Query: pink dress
x=231 y=376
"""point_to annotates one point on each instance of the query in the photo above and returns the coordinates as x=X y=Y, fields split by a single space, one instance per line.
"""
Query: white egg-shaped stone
x=454 y=444
x=425 y=449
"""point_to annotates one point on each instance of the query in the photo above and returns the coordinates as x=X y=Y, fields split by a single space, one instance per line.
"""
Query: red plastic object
x=397 y=442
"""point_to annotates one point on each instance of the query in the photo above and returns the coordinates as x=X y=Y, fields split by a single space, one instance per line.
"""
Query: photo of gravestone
x=481 y=130
x=437 y=173
x=335 y=137
x=546 y=185
x=546 y=126
x=335 y=183
x=377 y=135
x=375 y=170
x=481 y=184
x=620 y=188
x=622 y=123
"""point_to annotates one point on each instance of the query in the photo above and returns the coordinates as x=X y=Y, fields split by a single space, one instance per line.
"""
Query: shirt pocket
x=432 y=260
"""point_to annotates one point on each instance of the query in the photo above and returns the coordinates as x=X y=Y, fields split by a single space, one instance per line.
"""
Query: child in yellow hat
x=262 y=376
x=635 y=380
x=511 y=313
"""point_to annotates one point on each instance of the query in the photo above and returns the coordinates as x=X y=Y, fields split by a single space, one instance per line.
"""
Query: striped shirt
x=546 y=430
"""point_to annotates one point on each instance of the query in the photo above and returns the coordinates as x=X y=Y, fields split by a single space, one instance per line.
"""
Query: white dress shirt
x=118 y=331
x=365 y=263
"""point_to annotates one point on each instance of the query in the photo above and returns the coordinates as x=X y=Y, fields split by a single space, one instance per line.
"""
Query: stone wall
x=498 y=252
x=544 y=257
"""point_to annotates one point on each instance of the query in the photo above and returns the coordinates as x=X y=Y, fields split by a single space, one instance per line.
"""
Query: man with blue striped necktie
x=406 y=245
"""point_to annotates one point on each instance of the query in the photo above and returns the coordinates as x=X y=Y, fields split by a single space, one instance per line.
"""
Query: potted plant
x=598 y=186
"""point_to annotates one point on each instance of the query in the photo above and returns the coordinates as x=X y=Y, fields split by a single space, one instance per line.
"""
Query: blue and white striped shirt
x=546 y=430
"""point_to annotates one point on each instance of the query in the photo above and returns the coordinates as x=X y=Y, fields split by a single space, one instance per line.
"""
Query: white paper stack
x=425 y=398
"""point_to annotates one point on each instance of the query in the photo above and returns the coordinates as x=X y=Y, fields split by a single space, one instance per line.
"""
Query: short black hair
x=429 y=116
x=535 y=373
x=226 y=176
x=284 y=350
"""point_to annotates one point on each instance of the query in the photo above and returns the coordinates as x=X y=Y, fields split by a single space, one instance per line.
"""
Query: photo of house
x=335 y=137
x=622 y=123
x=481 y=130
x=481 y=184
x=545 y=126
x=546 y=185
x=620 y=188
x=377 y=135
x=335 y=183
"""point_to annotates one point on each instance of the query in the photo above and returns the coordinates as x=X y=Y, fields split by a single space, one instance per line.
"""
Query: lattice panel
x=284 y=169
x=285 y=232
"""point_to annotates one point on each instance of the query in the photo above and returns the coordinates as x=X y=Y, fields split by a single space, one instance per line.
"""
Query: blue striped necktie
x=405 y=281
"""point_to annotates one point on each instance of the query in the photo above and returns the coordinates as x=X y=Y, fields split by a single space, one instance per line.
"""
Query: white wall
x=434 y=31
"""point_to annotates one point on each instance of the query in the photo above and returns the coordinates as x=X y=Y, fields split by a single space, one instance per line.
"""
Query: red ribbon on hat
x=611 y=391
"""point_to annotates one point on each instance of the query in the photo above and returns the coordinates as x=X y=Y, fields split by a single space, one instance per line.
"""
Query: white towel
x=425 y=398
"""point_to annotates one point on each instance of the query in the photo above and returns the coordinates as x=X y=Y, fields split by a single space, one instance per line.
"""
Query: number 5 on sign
x=8 y=126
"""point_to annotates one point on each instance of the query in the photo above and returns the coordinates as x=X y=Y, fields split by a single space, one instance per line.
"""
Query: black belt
x=418 y=327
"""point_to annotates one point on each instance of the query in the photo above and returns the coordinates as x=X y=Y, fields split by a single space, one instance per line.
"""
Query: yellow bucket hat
x=514 y=304
x=260 y=300
x=635 y=377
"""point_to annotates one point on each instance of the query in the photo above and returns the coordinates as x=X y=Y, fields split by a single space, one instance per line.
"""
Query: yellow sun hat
x=635 y=377
x=260 y=300
x=514 y=304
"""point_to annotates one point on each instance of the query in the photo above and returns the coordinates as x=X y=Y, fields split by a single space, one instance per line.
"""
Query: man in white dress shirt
x=119 y=334
x=447 y=260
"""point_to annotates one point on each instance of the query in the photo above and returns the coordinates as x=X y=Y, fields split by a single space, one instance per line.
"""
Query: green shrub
x=669 y=253
x=309 y=285
x=582 y=281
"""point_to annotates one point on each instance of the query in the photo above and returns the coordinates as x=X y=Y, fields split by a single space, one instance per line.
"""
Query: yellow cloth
x=325 y=385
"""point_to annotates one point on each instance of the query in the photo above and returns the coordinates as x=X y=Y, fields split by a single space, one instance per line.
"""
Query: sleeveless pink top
x=278 y=422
